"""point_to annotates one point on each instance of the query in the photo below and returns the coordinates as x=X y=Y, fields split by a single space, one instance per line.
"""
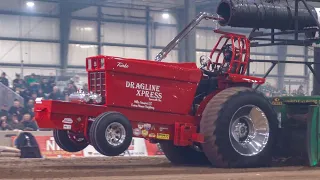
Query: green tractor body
x=299 y=126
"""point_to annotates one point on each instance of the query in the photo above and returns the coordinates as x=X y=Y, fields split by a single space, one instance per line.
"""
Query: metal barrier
x=7 y=96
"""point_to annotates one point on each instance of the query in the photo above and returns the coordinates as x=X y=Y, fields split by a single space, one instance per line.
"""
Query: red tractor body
x=144 y=91
x=147 y=92
x=178 y=105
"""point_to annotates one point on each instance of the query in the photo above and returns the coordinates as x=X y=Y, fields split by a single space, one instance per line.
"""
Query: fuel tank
x=268 y=14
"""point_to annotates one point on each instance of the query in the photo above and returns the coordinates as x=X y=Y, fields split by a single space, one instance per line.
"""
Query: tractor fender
x=205 y=101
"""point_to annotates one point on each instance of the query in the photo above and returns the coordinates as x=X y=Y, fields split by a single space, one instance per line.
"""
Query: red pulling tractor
x=197 y=115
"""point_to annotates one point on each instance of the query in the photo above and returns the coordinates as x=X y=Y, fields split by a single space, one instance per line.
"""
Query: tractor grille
x=98 y=83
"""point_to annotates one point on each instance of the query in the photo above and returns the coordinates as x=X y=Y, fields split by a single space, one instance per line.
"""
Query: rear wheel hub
x=249 y=130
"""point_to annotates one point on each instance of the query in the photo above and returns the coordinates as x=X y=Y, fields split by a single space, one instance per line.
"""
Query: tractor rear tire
x=65 y=141
x=239 y=125
x=111 y=133
x=180 y=155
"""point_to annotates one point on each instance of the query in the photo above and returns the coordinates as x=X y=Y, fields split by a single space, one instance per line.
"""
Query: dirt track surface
x=123 y=168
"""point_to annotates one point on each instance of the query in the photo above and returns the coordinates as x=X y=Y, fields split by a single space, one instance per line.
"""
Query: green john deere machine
x=299 y=127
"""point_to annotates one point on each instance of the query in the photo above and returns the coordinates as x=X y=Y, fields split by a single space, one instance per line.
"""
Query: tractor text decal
x=122 y=65
x=152 y=92
x=144 y=105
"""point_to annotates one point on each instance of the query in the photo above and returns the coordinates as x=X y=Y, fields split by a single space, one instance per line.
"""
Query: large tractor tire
x=111 y=133
x=69 y=141
x=239 y=125
x=180 y=155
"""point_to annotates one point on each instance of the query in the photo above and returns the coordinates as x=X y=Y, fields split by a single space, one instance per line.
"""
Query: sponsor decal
x=141 y=104
x=152 y=135
x=67 y=126
x=153 y=128
x=136 y=132
x=140 y=125
x=147 y=127
x=79 y=119
x=276 y=101
x=163 y=129
x=67 y=121
x=122 y=65
x=150 y=91
x=38 y=100
x=163 y=136
x=145 y=133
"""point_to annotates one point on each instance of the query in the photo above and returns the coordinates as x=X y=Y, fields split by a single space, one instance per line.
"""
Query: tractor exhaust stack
x=268 y=14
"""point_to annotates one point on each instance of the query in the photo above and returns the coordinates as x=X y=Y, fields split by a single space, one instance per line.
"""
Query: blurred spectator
x=56 y=94
x=70 y=89
x=52 y=82
x=4 y=118
x=34 y=96
x=26 y=94
x=294 y=92
x=41 y=93
x=16 y=124
x=4 y=110
x=3 y=79
x=284 y=91
x=300 y=91
x=46 y=86
x=85 y=87
x=77 y=82
x=29 y=109
x=5 y=126
x=19 y=84
x=16 y=80
x=33 y=83
x=29 y=123
x=16 y=109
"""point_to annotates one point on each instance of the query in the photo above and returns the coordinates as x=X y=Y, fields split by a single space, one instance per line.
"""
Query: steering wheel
x=205 y=63
x=206 y=66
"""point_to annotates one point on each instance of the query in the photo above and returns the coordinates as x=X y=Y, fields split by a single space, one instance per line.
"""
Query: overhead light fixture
x=88 y=28
x=165 y=15
x=30 y=4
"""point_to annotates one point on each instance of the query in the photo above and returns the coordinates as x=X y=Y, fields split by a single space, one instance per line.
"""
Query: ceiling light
x=88 y=28
x=30 y=4
x=165 y=15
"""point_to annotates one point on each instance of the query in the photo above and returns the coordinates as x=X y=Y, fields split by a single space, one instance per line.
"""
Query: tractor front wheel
x=111 y=133
x=239 y=125
x=69 y=141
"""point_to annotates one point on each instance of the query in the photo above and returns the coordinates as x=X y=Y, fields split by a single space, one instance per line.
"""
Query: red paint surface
x=152 y=92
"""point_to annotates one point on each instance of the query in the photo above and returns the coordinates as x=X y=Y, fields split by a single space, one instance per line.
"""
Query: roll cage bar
x=254 y=35
x=165 y=51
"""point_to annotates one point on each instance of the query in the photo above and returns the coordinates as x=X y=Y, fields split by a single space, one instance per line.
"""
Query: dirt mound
x=128 y=168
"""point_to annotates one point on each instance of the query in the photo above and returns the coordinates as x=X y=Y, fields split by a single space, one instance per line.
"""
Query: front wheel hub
x=115 y=134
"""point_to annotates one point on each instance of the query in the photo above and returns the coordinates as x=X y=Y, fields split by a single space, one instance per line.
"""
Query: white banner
x=137 y=148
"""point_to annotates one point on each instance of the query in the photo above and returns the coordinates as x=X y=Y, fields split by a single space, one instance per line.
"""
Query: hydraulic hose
x=269 y=14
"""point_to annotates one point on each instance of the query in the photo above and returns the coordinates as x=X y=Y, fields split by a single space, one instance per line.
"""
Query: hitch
x=185 y=134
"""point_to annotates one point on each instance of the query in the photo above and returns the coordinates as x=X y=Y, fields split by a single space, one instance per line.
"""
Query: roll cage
x=240 y=45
